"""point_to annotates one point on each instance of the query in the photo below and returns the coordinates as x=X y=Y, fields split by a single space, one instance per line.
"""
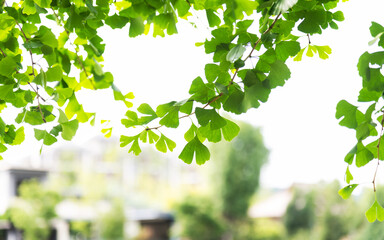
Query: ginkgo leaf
x=165 y=143
x=375 y=212
x=281 y=6
x=235 y=53
x=196 y=149
x=346 y=192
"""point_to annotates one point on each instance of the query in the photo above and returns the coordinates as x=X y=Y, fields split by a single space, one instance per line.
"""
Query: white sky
x=298 y=121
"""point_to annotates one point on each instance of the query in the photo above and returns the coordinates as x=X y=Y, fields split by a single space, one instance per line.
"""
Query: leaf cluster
x=368 y=123
x=248 y=61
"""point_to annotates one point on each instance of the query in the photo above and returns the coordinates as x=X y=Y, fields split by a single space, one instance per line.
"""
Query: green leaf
x=235 y=53
x=372 y=147
x=374 y=40
x=367 y=96
x=146 y=109
x=56 y=130
x=281 y=6
x=212 y=71
x=211 y=135
x=7 y=66
x=165 y=143
x=230 y=130
x=213 y=19
x=346 y=192
x=197 y=149
x=200 y=91
x=351 y=116
x=125 y=140
x=54 y=73
x=376 y=29
x=312 y=21
x=43 y=3
x=182 y=7
x=171 y=119
x=286 y=49
x=41 y=79
x=47 y=138
x=205 y=116
x=29 y=7
x=323 y=51
x=191 y=133
x=363 y=155
x=33 y=117
x=46 y=36
x=376 y=211
x=255 y=90
x=279 y=74
x=135 y=148
x=3 y=148
x=350 y=155
x=6 y=92
x=234 y=102
x=299 y=55
x=238 y=64
x=136 y=27
x=338 y=16
x=187 y=107
x=152 y=137
x=107 y=132
x=116 y=21
x=348 y=176
x=69 y=129
x=363 y=131
x=20 y=136
x=373 y=80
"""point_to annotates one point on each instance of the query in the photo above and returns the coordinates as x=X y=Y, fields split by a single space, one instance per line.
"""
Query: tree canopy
x=50 y=50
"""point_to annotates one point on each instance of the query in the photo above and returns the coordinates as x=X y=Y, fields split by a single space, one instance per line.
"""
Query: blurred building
x=90 y=177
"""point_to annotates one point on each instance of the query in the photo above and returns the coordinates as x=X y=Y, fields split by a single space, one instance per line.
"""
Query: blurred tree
x=199 y=219
x=111 y=224
x=81 y=229
x=235 y=178
x=33 y=211
x=300 y=213
x=241 y=171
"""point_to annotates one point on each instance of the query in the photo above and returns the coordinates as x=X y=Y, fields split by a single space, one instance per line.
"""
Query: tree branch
x=33 y=72
x=74 y=46
x=233 y=77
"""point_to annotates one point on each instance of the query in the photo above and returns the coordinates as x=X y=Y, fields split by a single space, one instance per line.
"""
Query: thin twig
x=4 y=54
x=74 y=46
x=259 y=40
x=33 y=71
x=232 y=79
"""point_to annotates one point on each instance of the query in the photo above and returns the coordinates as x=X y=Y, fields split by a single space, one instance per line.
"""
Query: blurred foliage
x=267 y=229
x=34 y=209
x=241 y=171
x=372 y=231
x=300 y=214
x=236 y=178
x=111 y=224
x=81 y=229
x=199 y=219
